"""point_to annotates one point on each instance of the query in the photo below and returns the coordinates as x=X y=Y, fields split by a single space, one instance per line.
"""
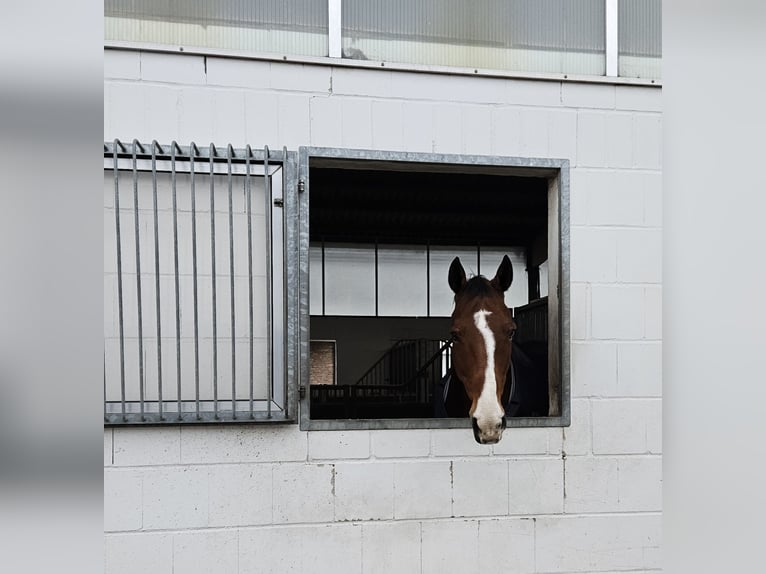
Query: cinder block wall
x=252 y=499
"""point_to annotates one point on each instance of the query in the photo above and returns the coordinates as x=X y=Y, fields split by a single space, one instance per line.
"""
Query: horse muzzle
x=488 y=436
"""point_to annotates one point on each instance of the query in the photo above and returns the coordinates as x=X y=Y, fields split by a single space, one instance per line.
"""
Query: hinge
x=279 y=202
x=302 y=391
x=301 y=185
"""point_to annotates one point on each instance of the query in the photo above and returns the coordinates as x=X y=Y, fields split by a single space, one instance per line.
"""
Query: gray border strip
x=547 y=167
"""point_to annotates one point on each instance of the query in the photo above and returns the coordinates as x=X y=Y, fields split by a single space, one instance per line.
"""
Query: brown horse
x=482 y=333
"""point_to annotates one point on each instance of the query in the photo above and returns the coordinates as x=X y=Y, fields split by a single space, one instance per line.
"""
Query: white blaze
x=488 y=412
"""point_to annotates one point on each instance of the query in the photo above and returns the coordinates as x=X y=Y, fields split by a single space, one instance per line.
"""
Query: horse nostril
x=503 y=423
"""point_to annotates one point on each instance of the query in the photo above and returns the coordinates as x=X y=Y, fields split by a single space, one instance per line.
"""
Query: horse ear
x=456 y=275
x=504 y=276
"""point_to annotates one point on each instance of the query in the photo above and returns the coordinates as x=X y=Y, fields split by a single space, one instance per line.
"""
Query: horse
x=482 y=333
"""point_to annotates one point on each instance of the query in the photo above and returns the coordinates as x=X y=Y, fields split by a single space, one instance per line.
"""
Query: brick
x=639 y=369
x=647 y=141
x=617 y=312
x=251 y=74
x=122 y=500
x=147 y=446
x=653 y=312
x=205 y=552
x=593 y=254
x=562 y=135
x=339 y=444
x=504 y=540
x=595 y=543
x=417 y=120
x=364 y=491
x=490 y=477
x=173 y=68
x=333 y=548
x=523 y=441
x=506 y=131
x=619 y=140
x=576 y=95
x=300 y=77
x=122 y=64
x=242 y=444
x=240 y=495
x=450 y=546
x=639 y=98
x=640 y=483
x=401 y=443
x=577 y=436
x=391 y=547
x=594 y=369
x=534 y=133
x=535 y=486
x=477 y=128
x=591 y=139
x=108 y=445
x=144 y=552
x=639 y=255
x=303 y=493
x=422 y=489
x=175 y=498
x=592 y=484
x=387 y=125
x=579 y=311
x=626 y=426
x=456 y=442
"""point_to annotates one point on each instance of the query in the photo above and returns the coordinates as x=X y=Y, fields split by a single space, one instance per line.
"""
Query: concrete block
x=108 y=446
x=338 y=444
x=614 y=198
x=172 y=68
x=147 y=446
x=595 y=543
x=401 y=443
x=507 y=544
x=577 y=436
x=387 y=125
x=506 y=131
x=592 y=485
x=161 y=112
x=417 y=127
x=474 y=90
x=122 y=64
x=479 y=487
x=175 y=498
x=300 y=77
x=124 y=105
x=639 y=369
x=534 y=126
x=617 y=312
x=627 y=426
x=522 y=441
x=261 y=119
x=594 y=369
x=422 y=489
x=639 y=255
x=229 y=126
x=477 y=130
x=647 y=141
x=450 y=546
x=391 y=547
x=195 y=111
x=619 y=140
x=364 y=491
x=591 y=139
x=579 y=311
x=228 y=72
x=203 y=552
x=562 y=134
x=575 y=95
x=356 y=82
x=640 y=483
x=412 y=86
x=456 y=442
x=447 y=133
x=242 y=444
x=122 y=500
x=639 y=98
x=335 y=548
x=294 y=120
x=593 y=254
x=535 y=486
x=356 y=123
x=303 y=493
x=578 y=195
x=144 y=552
x=652 y=186
x=240 y=495
x=653 y=312
x=532 y=93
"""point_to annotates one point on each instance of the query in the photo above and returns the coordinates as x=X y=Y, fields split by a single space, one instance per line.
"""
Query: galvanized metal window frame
x=556 y=171
x=119 y=156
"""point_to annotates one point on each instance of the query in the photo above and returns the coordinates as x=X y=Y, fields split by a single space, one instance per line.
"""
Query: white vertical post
x=334 y=28
x=612 y=33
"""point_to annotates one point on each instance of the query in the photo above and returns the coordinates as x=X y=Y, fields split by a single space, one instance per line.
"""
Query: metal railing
x=201 y=223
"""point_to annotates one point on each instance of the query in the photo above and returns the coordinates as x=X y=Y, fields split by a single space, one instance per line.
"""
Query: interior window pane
x=490 y=261
x=442 y=297
x=640 y=38
x=350 y=280
x=402 y=281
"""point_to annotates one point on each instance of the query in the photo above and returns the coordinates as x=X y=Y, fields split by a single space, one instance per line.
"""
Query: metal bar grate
x=166 y=357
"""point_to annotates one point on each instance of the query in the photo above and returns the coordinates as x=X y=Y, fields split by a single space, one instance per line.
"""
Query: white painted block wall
x=586 y=498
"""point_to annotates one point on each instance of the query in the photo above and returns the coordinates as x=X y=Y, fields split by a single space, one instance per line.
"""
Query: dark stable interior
x=391 y=367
